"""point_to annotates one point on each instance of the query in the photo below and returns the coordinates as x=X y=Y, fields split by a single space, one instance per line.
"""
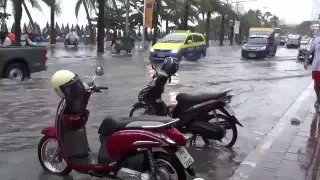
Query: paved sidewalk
x=291 y=150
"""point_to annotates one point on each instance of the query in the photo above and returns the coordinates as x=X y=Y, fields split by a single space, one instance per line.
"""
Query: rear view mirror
x=189 y=41
x=99 y=71
x=153 y=66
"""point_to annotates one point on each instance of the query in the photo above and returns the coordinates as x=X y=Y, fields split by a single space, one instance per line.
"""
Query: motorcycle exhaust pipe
x=125 y=174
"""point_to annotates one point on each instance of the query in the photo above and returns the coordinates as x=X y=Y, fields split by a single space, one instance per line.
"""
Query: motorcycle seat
x=192 y=99
x=112 y=124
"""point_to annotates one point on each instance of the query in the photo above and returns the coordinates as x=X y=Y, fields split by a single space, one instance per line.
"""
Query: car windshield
x=173 y=38
x=257 y=41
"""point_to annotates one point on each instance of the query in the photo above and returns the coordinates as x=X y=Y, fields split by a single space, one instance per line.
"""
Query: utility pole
x=235 y=17
x=143 y=26
x=127 y=17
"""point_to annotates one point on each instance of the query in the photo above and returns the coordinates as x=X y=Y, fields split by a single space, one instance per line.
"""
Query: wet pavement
x=293 y=156
x=263 y=91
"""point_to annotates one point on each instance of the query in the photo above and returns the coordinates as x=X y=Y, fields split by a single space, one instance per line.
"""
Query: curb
x=297 y=111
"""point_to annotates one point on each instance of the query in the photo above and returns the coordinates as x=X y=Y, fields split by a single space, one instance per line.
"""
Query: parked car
x=19 y=62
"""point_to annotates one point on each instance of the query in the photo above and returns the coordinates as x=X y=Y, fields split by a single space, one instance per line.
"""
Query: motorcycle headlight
x=151 y=49
x=244 y=47
x=175 y=50
x=263 y=48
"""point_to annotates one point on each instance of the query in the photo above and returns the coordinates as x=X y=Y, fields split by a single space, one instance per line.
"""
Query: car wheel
x=17 y=71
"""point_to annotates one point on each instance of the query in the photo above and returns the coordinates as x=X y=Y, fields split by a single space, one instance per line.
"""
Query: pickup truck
x=18 y=62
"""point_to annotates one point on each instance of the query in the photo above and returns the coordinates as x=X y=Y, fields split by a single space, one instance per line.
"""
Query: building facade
x=315 y=10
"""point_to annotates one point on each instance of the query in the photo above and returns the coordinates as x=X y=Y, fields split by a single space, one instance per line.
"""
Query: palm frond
x=77 y=8
x=35 y=4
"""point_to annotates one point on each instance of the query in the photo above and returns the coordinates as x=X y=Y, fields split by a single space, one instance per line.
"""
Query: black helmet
x=170 y=65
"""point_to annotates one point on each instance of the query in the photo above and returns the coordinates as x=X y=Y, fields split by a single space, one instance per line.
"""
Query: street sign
x=148 y=13
x=236 y=27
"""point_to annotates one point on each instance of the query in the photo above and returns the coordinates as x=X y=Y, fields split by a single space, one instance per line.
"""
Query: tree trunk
x=100 y=41
x=222 y=30
x=17 y=21
x=186 y=17
x=3 y=19
x=208 y=27
x=231 y=33
x=28 y=13
x=155 y=22
x=167 y=24
x=52 y=29
x=127 y=17
x=89 y=22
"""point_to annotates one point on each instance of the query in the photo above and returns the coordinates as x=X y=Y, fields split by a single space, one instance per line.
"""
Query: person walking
x=315 y=50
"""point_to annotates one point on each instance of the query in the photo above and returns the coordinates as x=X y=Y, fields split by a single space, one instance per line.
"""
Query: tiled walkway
x=294 y=155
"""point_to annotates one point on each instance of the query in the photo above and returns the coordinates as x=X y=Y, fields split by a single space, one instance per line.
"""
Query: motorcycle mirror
x=153 y=67
x=99 y=71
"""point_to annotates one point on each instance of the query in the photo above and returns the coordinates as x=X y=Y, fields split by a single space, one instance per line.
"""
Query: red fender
x=50 y=132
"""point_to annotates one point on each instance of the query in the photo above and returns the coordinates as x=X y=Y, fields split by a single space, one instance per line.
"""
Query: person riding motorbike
x=169 y=67
x=72 y=36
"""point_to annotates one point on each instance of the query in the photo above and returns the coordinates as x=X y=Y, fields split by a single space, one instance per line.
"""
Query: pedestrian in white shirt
x=315 y=48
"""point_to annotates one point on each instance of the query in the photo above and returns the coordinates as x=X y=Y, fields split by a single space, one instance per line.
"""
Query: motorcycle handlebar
x=105 y=88
x=98 y=88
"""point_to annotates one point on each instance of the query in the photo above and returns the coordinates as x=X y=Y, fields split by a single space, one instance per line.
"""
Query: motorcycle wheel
x=228 y=126
x=55 y=158
x=141 y=108
x=170 y=164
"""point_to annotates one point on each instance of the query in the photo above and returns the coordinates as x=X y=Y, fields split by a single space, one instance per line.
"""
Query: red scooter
x=141 y=148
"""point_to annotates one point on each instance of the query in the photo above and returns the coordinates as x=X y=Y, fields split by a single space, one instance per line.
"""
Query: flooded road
x=263 y=90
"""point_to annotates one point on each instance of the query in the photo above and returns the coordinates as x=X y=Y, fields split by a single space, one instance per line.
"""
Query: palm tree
x=100 y=43
x=265 y=17
x=274 y=21
x=88 y=6
x=55 y=9
x=224 y=10
x=4 y=15
x=17 y=11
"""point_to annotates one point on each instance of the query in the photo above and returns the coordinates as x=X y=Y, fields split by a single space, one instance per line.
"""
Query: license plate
x=184 y=157
x=252 y=55
x=229 y=110
x=161 y=55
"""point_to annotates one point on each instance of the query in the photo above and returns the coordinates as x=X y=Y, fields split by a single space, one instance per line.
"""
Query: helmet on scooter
x=67 y=85
x=170 y=65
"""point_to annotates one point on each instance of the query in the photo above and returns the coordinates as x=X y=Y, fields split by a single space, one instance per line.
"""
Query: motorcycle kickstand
x=193 y=139
x=206 y=141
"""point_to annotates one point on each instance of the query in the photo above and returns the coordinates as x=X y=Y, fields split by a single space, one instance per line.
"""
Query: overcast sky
x=292 y=11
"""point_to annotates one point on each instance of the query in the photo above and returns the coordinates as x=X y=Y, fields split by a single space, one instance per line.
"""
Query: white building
x=315 y=9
